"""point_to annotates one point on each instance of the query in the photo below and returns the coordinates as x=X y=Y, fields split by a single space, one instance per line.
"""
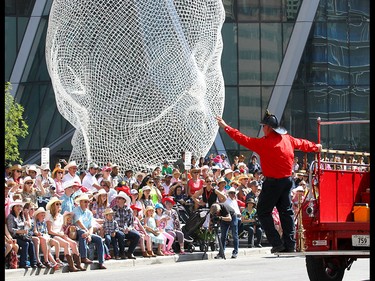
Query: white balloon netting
x=139 y=80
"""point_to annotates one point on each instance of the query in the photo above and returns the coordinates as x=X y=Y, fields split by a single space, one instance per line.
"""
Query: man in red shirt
x=276 y=152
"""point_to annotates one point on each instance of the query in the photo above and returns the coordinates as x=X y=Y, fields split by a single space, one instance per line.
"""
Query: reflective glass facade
x=332 y=80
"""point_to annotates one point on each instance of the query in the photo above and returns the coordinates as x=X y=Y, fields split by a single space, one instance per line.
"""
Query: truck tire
x=324 y=269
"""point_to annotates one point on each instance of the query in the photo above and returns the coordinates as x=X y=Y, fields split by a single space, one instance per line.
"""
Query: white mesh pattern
x=139 y=80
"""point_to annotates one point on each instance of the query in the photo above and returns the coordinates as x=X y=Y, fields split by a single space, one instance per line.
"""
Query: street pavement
x=111 y=264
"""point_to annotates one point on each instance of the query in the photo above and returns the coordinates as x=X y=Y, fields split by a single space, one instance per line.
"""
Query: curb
x=111 y=264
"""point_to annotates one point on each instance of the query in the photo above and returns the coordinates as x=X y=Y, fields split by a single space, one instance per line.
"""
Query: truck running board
x=351 y=253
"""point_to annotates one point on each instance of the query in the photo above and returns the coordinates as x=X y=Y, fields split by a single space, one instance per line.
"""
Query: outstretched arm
x=221 y=122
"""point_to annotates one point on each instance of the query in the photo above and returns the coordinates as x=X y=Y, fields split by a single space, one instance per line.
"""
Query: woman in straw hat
x=152 y=230
x=55 y=223
x=57 y=175
x=18 y=228
x=195 y=183
x=29 y=191
x=16 y=175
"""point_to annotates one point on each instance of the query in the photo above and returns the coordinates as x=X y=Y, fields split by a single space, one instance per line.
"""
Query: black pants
x=276 y=192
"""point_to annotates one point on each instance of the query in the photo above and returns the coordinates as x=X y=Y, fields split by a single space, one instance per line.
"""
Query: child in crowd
x=40 y=230
x=113 y=235
x=141 y=230
x=173 y=225
x=161 y=222
x=152 y=230
x=28 y=213
x=68 y=227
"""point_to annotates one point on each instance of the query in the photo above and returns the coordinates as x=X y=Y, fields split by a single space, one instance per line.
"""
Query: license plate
x=361 y=240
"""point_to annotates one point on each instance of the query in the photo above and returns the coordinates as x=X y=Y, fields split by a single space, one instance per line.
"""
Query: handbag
x=13 y=263
x=72 y=232
x=156 y=232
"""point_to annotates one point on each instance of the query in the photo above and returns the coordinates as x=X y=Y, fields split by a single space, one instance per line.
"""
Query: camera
x=215 y=221
x=257 y=222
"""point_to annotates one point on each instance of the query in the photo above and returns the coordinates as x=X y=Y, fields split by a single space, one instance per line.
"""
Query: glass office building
x=302 y=59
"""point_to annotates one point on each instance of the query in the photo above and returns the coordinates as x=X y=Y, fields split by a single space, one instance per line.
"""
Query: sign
x=44 y=156
x=361 y=240
x=187 y=160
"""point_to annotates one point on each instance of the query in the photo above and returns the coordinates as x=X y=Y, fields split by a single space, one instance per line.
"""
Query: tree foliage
x=15 y=126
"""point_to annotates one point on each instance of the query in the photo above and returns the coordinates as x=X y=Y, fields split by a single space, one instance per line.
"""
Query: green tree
x=15 y=126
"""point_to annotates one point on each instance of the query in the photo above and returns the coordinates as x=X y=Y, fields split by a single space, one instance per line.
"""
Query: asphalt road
x=261 y=267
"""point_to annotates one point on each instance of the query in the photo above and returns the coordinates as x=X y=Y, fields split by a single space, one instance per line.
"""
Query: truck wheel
x=324 y=269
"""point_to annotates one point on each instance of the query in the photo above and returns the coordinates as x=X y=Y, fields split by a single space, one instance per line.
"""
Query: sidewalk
x=111 y=264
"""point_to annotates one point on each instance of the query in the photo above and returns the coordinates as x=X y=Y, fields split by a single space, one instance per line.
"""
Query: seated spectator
x=18 y=229
x=29 y=193
x=11 y=249
x=176 y=191
x=298 y=196
x=57 y=175
x=134 y=195
x=55 y=221
x=173 y=225
x=161 y=223
x=251 y=224
x=46 y=242
x=152 y=230
x=113 y=235
x=46 y=185
x=98 y=206
x=124 y=218
x=84 y=219
x=145 y=238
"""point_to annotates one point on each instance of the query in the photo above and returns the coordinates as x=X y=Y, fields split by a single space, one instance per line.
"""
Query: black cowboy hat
x=272 y=121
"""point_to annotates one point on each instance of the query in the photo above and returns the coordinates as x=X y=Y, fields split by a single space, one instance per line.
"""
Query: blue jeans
x=250 y=230
x=276 y=192
x=224 y=228
x=133 y=236
x=96 y=239
x=117 y=242
x=26 y=248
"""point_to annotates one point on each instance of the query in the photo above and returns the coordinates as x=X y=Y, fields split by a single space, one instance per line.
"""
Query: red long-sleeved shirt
x=276 y=151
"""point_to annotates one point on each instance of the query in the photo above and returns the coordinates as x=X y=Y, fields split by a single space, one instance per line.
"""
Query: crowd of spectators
x=117 y=212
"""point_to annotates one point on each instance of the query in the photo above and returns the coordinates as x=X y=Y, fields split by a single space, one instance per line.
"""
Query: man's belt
x=275 y=179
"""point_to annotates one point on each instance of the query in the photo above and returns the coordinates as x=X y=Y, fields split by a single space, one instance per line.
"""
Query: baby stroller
x=183 y=212
x=193 y=230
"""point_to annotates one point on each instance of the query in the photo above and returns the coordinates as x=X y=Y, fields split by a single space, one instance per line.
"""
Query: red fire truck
x=333 y=219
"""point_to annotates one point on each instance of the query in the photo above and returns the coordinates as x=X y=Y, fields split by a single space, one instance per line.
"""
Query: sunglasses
x=150 y=182
x=58 y=204
x=208 y=181
x=28 y=183
x=19 y=171
x=60 y=172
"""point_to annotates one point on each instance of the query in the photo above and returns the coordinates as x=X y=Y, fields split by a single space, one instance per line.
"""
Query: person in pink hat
x=218 y=161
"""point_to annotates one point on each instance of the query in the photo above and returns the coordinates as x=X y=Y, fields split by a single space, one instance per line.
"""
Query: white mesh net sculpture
x=139 y=80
